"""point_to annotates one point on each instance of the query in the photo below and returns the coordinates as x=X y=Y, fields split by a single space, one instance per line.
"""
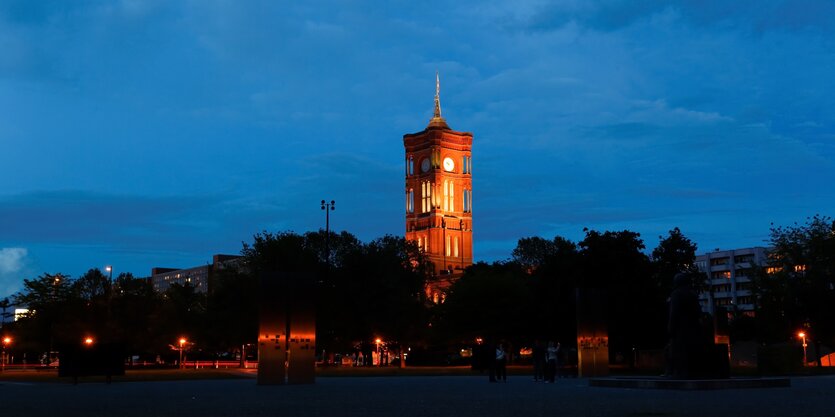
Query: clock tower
x=439 y=196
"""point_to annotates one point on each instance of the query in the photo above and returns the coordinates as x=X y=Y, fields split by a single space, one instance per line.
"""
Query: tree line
x=377 y=289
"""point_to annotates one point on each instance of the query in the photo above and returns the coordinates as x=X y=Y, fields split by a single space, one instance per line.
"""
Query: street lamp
x=109 y=269
x=6 y=341
x=802 y=336
x=182 y=343
x=88 y=341
x=328 y=207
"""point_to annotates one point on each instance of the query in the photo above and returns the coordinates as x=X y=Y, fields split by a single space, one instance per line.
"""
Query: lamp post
x=802 y=336
x=56 y=281
x=379 y=359
x=328 y=207
x=6 y=341
x=182 y=343
x=109 y=269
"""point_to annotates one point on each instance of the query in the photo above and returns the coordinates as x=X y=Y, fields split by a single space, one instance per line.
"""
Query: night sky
x=157 y=133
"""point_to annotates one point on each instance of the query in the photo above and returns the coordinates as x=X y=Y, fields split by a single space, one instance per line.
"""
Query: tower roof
x=437 y=121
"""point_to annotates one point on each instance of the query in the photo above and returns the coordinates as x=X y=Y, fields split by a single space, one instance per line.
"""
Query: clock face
x=424 y=166
x=449 y=165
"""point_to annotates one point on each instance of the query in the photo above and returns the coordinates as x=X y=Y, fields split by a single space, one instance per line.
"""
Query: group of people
x=546 y=362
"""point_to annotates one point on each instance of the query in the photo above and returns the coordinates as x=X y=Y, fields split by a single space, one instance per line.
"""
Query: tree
x=615 y=262
x=552 y=266
x=799 y=290
x=491 y=301
x=4 y=304
x=674 y=253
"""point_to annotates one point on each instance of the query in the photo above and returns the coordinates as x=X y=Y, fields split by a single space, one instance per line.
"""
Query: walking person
x=501 y=363
x=538 y=361
x=551 y=366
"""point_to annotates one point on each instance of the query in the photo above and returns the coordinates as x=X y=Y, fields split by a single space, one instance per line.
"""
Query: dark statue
x=692 y=353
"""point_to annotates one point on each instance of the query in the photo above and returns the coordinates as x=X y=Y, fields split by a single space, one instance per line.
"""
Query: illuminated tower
x=439 y=195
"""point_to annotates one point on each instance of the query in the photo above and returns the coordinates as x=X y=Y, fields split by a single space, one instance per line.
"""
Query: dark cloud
x=752 y=15
x=80 y=216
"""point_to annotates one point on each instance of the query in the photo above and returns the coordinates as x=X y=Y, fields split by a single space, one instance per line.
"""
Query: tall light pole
x=182 y=343
x=56 y=281
x=379 y=359
x=328 y=207
x=802 y=336
x=6 y=341
x=109 y=269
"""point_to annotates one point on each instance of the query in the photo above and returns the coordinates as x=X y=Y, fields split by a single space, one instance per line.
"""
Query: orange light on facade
x=88 y=341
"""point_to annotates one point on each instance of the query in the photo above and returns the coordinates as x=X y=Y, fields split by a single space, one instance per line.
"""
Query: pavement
x=418 y=396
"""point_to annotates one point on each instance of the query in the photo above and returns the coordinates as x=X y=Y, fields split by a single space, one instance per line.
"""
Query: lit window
x=773 y=270
x=447 y=246
x=451 y=196
x=800 y=268
x=455 y=247
x=426 y=194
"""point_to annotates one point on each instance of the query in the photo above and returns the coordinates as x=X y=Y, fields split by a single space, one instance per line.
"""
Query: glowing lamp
x=88 y=341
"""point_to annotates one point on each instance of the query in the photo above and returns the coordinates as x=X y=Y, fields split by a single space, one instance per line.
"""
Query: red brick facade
x=439 y=196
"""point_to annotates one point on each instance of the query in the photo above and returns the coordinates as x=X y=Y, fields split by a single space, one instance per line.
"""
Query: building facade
x=439 y=199
x=198 y=277
x=730 y=274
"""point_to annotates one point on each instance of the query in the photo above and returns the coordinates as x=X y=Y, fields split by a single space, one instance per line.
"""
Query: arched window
x=455 y=247
x=411 y=168
x=448 y=247
x=446 y=194
x=449 y=195
x=426 y=196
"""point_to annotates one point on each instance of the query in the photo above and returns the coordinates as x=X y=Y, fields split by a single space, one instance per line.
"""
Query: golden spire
x=437 y=120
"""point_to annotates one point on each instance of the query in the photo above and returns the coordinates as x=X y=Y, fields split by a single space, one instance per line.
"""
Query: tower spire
x=437 y=95
x=437 y=120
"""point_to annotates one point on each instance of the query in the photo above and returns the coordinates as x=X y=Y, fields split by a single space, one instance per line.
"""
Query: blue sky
x=156 y=133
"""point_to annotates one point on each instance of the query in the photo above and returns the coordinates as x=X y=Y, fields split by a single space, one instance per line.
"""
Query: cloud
x=750 y=15
x=13 y=263
x=94 y=218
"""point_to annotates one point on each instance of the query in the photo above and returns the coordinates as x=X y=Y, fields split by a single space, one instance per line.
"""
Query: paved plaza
x=427 y=396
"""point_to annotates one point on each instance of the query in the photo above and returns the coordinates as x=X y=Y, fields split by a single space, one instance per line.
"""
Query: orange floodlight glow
x=88 y=341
